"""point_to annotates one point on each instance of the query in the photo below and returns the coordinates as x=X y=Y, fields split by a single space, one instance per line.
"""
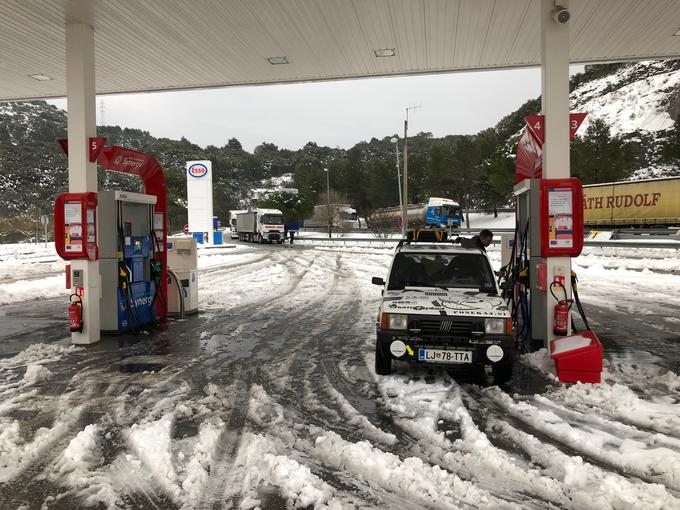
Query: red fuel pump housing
x=75 y=226
x=561 y=217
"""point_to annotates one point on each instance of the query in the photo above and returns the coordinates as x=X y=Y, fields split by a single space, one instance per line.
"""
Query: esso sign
x=197 y=170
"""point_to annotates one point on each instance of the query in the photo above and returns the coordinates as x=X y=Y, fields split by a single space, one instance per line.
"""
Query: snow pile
x=17 y=453
x=411 y=478
x=199 y=467
x=152 y=443
x=77 y=469
x=40 y=353
x=36 y=374
x=658 y=464
x=24 y=290
x=590 y=486
x=296 y=482
x=81 y=455
x=541 y=361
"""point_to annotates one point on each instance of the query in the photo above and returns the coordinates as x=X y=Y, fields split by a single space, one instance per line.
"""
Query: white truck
x=232 y=222
x=260 y=226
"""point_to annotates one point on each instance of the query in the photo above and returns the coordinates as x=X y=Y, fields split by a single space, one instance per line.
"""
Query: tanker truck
x=437 y=212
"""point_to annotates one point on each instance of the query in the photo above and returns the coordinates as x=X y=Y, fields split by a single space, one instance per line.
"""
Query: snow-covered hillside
x=635 y=99
x=638 y=101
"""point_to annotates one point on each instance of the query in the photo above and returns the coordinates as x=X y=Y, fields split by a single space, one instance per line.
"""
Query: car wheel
x=502 y=371
x=383 y=364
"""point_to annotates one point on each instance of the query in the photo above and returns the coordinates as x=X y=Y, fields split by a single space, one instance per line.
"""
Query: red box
x=578 y=358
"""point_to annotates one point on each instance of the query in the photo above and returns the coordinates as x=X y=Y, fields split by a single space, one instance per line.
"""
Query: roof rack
x=427 y=235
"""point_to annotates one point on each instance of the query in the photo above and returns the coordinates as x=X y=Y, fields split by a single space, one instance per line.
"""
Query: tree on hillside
x=294 y=207
x=600 y=157
x=465 y=167
x=330 y=207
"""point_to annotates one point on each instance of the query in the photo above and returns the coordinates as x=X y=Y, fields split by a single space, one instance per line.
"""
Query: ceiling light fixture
x=677 y=33
x=39 y=77
x=385 y=52
x=275 y=61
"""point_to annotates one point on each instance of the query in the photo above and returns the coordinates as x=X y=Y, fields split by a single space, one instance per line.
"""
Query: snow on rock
x=151 y=441
x=296 y=482
x=36 y=373
x=630 y=100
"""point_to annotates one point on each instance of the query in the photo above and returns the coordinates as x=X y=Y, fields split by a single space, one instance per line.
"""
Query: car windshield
x=272 y=219
x=461 y=270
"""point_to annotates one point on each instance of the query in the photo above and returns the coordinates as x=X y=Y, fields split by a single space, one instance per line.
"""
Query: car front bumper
x=477 y=347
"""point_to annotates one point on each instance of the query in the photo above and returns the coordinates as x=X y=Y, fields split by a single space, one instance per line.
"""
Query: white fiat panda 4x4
x=441 y=305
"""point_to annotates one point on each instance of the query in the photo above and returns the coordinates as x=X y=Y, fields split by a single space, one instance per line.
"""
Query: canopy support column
x=82 y=174
x=555 y=107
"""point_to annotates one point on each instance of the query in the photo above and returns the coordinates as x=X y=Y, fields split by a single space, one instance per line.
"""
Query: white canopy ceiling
x=176 y=44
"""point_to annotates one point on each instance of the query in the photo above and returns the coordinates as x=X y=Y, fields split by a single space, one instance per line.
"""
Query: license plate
x=444 y=356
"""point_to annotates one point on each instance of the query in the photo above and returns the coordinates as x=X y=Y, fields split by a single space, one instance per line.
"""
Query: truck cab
x=442 y=213
x=441 y=305
x=260 y=226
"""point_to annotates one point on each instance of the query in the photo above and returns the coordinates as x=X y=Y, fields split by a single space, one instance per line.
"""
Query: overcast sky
x=339 y=113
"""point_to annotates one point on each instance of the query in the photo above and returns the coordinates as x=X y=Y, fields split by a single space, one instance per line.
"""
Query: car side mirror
x=377 y=281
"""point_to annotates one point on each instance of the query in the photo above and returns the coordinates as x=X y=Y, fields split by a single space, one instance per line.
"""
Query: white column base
x=91 y=325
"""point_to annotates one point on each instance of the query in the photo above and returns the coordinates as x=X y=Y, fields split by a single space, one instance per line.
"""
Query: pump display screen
x=73 y=227
x=560 y=218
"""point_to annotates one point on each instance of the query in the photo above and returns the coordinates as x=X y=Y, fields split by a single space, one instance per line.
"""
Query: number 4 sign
x=536 y=126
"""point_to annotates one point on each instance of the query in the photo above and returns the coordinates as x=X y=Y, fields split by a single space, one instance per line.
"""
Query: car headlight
x=394 y=321
x=494 y=326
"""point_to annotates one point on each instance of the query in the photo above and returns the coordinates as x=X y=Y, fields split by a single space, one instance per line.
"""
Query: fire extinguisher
x=562 y=307
x=75 y=314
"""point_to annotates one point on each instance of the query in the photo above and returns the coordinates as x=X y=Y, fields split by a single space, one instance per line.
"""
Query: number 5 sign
x=536 y=126
x=96 y=147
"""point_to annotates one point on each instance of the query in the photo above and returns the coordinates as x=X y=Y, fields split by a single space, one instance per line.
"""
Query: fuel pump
x=126 y=233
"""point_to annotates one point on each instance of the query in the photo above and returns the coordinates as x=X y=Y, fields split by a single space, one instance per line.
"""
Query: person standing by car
x=480 y=241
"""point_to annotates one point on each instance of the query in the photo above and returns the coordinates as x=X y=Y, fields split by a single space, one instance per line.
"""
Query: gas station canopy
x=155 y=45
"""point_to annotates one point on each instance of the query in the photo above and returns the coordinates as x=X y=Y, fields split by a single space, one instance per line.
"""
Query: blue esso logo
x=197 y=170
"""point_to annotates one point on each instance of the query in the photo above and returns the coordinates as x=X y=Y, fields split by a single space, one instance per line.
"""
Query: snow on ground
x=268 y=399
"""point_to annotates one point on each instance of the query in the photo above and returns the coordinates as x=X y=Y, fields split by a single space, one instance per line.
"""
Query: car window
x=459 y=270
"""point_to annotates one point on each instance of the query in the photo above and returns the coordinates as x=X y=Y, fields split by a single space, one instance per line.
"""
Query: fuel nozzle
x=122 y=276
x=156 y=268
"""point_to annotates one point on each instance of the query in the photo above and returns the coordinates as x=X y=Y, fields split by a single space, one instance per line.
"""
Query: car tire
x=502 y=371
x=383 y=363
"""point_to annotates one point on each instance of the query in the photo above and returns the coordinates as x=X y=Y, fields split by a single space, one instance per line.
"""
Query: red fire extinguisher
x=75 y=314
x=562 y=307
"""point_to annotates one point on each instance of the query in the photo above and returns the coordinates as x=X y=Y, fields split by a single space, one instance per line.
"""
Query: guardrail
x=590 y=243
